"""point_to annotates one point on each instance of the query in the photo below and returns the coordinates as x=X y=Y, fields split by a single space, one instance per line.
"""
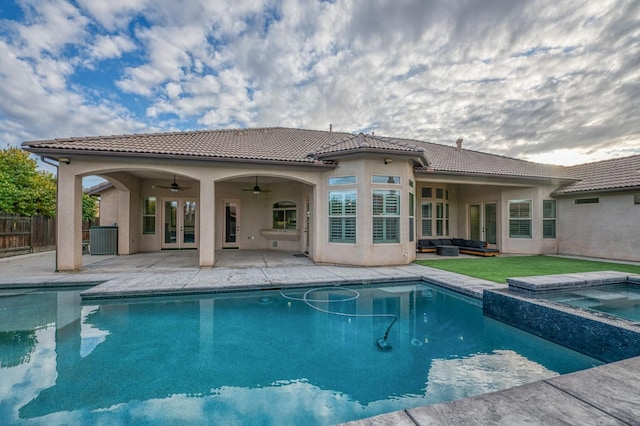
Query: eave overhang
x=468 y=177
x=57 y=153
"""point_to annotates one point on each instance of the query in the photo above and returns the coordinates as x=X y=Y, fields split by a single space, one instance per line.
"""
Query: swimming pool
x=621 y=300
x=271 y=357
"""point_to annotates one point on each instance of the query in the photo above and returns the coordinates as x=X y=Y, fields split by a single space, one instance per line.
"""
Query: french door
x=180 y=223
x=231 y=223
x=483 y=222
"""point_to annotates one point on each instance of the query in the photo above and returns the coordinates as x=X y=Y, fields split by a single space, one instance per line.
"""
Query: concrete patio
x=604 y=395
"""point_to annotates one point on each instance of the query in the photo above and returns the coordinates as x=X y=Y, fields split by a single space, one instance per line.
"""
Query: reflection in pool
x=257 y=358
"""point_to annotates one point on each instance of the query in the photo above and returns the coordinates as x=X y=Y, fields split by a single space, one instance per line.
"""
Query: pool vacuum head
x=383 y=344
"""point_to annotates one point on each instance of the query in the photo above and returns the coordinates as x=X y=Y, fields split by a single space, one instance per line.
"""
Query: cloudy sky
x=550 y=81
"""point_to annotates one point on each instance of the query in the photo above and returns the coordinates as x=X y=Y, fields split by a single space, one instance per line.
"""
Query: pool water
x=622 y=300
x=269 y=357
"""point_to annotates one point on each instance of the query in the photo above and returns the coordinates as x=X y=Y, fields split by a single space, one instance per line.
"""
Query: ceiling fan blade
x=174 y=187
x=256 y=188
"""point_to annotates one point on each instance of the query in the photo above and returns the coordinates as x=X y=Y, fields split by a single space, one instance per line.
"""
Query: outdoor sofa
x=479 y=248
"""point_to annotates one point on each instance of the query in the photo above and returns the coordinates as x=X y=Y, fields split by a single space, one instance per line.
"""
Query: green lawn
x=498 y=269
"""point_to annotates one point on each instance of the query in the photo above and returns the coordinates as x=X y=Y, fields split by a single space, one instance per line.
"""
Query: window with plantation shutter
x=342 y=216
x=412 y=217
x=549 y=219
x=386 y=216
x=427 y=216
x=440 y=219
x=520 y=219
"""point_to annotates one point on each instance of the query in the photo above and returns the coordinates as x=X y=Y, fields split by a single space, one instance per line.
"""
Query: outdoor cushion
x=437 y=242
x=466 y=243
x=445 y=242
x=457 y=241
x=477 y=244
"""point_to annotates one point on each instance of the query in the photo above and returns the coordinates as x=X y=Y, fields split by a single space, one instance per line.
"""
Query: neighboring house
x=599 y=215
x=108 y=204
x=341 y=198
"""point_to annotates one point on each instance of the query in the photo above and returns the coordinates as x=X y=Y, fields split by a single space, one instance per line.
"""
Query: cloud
x=514 y=78
x=111 y=46
x=35 y=95
x=113 y=14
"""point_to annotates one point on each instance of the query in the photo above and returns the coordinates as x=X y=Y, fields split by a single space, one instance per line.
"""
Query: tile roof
x=296 y=146
x=449 y=159
x=615 y=174
x=271 y=144
x=369 y=142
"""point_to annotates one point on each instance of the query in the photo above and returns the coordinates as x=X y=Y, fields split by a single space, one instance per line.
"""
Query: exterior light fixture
x=388 y=160
x=64 y=160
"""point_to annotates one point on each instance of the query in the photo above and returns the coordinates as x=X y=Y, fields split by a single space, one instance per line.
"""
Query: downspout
x=44 y=160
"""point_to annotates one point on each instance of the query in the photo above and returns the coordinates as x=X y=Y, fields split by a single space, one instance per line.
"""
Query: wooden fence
x=24 y=234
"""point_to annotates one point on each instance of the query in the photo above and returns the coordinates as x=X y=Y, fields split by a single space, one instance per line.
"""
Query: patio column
x=207 y=223
x=124 y=221
x=69 y=220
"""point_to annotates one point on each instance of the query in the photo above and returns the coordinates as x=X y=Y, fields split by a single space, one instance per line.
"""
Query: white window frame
x=344 y=216
x=521 y=217
x=549 y=218
x=385 y=226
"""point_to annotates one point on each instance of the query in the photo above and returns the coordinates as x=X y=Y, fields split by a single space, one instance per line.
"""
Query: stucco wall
x=256 y=214
x=536 y=244
x=109 y=207
x=364 y=252
x=609 y=229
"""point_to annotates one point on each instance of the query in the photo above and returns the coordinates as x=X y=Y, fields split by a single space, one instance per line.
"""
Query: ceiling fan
x=256 y=188
x=174 y=187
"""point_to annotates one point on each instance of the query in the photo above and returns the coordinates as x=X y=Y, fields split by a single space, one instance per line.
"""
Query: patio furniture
x=448 y=250
x=478 y=248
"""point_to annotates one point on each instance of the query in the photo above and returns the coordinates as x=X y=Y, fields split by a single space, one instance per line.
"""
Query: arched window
x=285 y=215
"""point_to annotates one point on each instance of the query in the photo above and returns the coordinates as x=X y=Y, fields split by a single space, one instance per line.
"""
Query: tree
x=25 y=190
x=89 y=208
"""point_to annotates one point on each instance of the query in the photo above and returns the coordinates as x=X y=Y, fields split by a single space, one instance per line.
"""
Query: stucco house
x=341 y=198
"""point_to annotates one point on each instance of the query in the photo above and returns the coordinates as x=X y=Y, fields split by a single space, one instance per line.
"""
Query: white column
x=69 y=219
x=207 y=223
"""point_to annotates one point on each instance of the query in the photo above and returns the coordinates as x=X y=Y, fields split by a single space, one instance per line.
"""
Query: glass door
x=490 y=223
x=231 y=223
x=483 y=222
x=180 y=230
x=474 y=222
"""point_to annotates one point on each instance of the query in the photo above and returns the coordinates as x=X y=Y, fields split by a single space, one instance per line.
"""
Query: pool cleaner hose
x=382 y=342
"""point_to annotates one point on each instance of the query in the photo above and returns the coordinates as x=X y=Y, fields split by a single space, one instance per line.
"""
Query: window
x=636 y=199
x=427 y=216
x=342 y=180
x=587 y=201
x=437 y=224
x=385 y=179
x=149 y=216
x=386 y=216
x=446 y=218
x=549 y=219
x=412 y=218
x=284 y=215
x=519 y=218
x=342 y=216
x=442 y=222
